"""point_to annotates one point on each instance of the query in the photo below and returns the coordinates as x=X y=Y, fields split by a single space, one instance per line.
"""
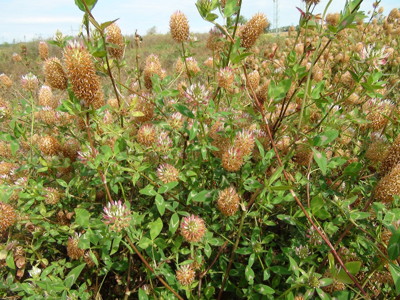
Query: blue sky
x=24 y=20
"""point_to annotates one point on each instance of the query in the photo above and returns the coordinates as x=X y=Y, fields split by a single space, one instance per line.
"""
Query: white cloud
x=40 y=20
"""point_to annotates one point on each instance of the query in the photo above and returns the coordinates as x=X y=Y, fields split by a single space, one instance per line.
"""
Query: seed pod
x=43 y=50
x=8 y=216
x=232 y=159
x=5 y=150
x=225 y=78
x=52 y=196
x=185 y=275
x=46 y=97
x=392 y=158
x=55 y=74
x=228 y=201
x=215 y=40
x=16 y=57
x=144 y=106
x=114 y=36
x=71 y=148
x=333 y=19
x=245 y=142
x=5 y=81
x=389 y=186
x=179 y=27
x=29 y=82
x=250 y=32
x=73 y=251
x=152 y=67
x=303 y=155
x=167 y=173
x=146 y=135
x=49 y=145
x=192 y=228
x=82 y=73
x=253 y=80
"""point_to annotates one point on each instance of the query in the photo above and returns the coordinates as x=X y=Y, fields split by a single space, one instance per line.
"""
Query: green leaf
x=173 y=223
x=84 y=241
x=142 y=294
x=325 y=281
x=318 y=208
x=275 y=176
x=249 y=273
x=106 y=24
x=294 y=266
x=93 y=258
x=82 y=217
x=167 y=187
x=237 y=58
x=193 y=130
x=148 y=190
x=353 y=169
x=160 y=203
x=115 y=244
x=144 y=242
x=264 y=289
x=155 y=228
x=395 y=271
x=394 y=246
x=184 y=110
x=199 y=197
x=353 y=267
x=230 y=8
x=278 y=91
x=322 y=294
x=326 y=137
x=359 y=215
x=90 y=4
x=321 y=160
x=73 y=276
x=10 y=261
x=211 y=17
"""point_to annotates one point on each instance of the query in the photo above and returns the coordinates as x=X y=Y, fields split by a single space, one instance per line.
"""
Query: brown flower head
x=43 y=50
x=29 y=82
x=225 y=78
x=179 y=27
x=46 y=97
x=7 y=216
x=232 y=159
x=146 y=135
x=392 y=158
x=389 y=186
x=73 y=251
x=167 y=173
x=5 y=81
x=228 y=201
x=49 y=145
x=250 y=32
x=192 y=228
x=55 y=74
x=114 y=36
x=185 y=275
x=82 y=73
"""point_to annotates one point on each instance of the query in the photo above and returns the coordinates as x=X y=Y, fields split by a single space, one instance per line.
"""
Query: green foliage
x=190 y=179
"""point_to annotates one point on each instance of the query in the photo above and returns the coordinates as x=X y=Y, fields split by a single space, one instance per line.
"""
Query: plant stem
x=233 y=35
x=289 y=178
x=228 y=269
x=151 y=269
x=32 y=126
x=184 y=59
